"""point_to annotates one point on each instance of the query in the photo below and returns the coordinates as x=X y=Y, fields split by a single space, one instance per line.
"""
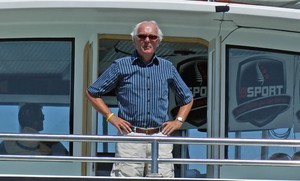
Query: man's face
x=146 y=41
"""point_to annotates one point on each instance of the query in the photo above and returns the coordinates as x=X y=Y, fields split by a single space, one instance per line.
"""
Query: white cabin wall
x=83 y=30
x=82 y=24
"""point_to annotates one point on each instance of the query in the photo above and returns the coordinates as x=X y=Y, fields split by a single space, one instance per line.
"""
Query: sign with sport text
x=260 y=89
x=193 y=71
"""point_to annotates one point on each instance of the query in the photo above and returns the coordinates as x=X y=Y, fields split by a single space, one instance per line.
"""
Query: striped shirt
x=142 y=89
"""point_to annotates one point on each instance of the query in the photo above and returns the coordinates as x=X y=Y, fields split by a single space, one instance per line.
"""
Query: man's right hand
x=120 y=124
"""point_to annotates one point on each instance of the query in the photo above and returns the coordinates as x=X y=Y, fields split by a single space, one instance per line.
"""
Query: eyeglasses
x=151 y=37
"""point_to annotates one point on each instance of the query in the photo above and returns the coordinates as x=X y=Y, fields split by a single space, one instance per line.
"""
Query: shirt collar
x=136 y=59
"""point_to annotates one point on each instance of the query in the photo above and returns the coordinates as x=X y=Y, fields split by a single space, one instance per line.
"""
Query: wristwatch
x=180 y=119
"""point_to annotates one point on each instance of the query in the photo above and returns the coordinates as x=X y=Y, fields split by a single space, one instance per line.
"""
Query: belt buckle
x=147 y=131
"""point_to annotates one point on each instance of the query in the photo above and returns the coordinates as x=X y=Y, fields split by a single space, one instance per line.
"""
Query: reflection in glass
x=31 y=121
x=36 y=73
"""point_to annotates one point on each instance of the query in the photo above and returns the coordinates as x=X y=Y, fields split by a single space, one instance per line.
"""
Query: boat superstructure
x=239 y=58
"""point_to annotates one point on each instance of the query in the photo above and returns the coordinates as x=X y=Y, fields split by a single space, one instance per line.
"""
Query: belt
x=147 y=131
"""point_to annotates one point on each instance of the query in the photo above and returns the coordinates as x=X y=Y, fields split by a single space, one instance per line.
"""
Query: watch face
x=179 y=118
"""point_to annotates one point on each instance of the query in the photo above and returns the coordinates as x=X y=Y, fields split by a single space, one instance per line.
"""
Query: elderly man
x=142 y=82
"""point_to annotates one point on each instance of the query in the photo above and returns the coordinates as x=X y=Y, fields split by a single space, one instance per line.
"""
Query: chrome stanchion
x=154 y=162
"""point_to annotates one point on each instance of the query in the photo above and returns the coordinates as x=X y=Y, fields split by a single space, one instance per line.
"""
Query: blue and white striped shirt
x=142 y=90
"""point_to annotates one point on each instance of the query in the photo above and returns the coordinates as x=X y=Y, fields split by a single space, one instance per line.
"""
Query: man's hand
x=120 y=124
x=170 y=126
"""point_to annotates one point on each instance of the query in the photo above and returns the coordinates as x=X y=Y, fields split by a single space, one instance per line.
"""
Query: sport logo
x=260 y=90
x=194 y=73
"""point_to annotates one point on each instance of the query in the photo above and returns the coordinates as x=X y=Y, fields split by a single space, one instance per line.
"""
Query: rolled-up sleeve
x=105 y=82
x=182 y=92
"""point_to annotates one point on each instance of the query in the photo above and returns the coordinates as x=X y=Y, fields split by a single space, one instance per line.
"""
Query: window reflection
x=36 y=72
x=31 y=120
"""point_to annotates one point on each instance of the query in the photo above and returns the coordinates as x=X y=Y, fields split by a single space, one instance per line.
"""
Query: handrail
x=154 y=141
x=160 y=160
x=178 y=140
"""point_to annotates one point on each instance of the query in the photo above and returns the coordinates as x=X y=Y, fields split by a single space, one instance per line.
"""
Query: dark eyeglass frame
x=144 y=36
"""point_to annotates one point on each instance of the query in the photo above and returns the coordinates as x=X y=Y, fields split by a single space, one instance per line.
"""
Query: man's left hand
x=170 y=126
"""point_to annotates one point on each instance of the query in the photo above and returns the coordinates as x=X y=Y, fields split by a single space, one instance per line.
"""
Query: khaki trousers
x=141 y=150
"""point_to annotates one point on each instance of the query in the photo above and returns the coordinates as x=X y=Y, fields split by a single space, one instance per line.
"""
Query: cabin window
x=263 y=100
x=189 y=56
x=36 y=93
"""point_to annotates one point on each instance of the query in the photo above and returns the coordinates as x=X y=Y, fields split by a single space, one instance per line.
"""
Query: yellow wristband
x=108 y=117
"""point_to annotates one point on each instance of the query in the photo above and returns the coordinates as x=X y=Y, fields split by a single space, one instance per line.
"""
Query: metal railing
x=155 y=141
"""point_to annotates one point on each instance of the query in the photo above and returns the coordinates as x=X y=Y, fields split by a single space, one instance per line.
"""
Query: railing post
x=154 y=162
